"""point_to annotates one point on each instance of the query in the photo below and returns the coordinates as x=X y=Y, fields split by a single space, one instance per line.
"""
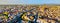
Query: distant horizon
x=28 y=4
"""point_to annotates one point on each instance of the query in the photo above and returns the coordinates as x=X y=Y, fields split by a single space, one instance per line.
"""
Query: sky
x=29 y=1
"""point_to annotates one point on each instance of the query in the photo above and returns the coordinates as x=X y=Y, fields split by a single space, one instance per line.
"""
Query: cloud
x=9 y=1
